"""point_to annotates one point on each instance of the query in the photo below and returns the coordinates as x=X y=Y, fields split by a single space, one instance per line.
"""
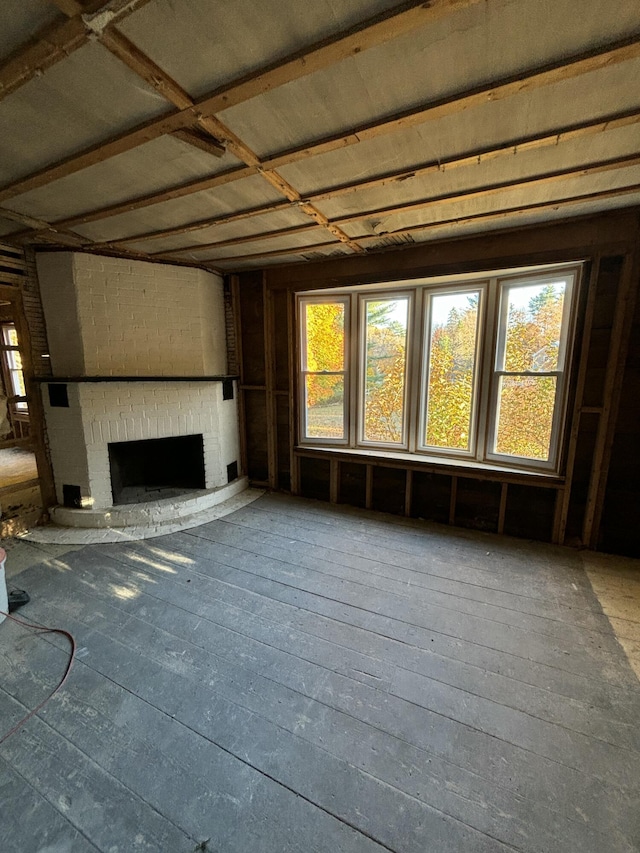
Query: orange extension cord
x=42 y=629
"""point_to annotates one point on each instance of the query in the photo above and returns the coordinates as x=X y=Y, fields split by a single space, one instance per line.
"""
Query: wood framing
x=370 y=33
x=623 y=319
x=527 y=81
x=270 y=384
x=45 y=49
x=200 y=141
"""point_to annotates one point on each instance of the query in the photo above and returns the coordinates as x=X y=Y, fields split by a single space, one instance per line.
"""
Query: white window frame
x=491 y=314
x=18 y=399
x=304 y=371
x=480 y=287
x=504 y=284
x=363 y=300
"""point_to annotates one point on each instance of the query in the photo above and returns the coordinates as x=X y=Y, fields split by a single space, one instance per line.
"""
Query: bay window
x=470 y=369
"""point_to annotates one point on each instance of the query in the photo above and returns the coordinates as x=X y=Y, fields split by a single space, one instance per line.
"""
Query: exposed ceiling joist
x=236 y=241
x=49 y=46
x=275 y=253
x=432 y=167
x=45 y=229
x=484 y=155
x=201 y=141
x=527 y=81
x=507 y=212
x=215 y=130
x=352 y=137
x=482 y=192
x=442 y=225
x=373 y=32
x=198 y=226
x=55 y=42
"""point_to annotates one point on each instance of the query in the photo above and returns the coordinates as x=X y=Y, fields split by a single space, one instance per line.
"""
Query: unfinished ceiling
x=239 y=134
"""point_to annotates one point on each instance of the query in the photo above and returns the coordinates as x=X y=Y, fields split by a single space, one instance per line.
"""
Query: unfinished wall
x=565 y=509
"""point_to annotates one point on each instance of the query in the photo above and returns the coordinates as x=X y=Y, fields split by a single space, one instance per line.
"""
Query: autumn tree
x=451 y=375
x=324 y=358
x=385 y=373
x=526 y=402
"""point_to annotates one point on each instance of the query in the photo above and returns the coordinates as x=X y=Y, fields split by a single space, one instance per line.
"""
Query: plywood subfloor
x=304 y=677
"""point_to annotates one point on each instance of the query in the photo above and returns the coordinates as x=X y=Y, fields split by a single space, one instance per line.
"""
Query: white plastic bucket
x=4 y=601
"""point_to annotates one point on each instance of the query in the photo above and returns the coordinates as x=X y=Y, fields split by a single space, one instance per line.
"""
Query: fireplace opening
x=156 y=468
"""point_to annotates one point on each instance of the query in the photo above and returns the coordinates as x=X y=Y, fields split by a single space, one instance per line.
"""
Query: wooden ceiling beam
x=294 y=250
x=435 y=201
x=482 y=192
x=48 y=46
x=199 y=226
x=201 y=141
x=467 y=159
x=375 y=31
x=528 y=81
x=236 y=241
x=56 y=41
x=138 y=62
x=41 y=228
x=508 y=149
x=508 y=212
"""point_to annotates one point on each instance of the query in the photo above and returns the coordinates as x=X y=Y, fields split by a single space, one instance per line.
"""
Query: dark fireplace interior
x=156 y=468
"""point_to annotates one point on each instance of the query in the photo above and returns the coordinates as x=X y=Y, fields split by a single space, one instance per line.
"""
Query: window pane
x=534 y=322
x=525 y=416
x=452 y=356
x=17 y=380
x=325 y=336
x=10 y=336
x=324 y=400
x=386 y=337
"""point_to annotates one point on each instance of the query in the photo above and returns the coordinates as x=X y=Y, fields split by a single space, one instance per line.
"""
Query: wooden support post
x=614 y=376
x=334 y=480
x=503 y=507
x=270 y=383
x=293 y=396
x=408 y=493
x=242 y=421
x=557 y=516
x=368 y=500
x=565 y=499
x=452 y=500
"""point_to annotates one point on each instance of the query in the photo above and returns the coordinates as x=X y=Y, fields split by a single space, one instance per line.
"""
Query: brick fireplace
x=138 y=353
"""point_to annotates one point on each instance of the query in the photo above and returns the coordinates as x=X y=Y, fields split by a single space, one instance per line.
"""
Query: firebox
x=156 y=468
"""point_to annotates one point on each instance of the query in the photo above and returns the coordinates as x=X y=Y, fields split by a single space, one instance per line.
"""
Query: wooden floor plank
x=581 y=657
x=402 y=581
x=158 y=686
x=298 y=678
x=334 y=786
x=30 y=822
x=497 y=761
x=162 y=554
x=375 y=662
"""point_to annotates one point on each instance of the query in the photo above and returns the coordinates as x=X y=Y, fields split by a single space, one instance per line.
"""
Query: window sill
x=435 y=465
